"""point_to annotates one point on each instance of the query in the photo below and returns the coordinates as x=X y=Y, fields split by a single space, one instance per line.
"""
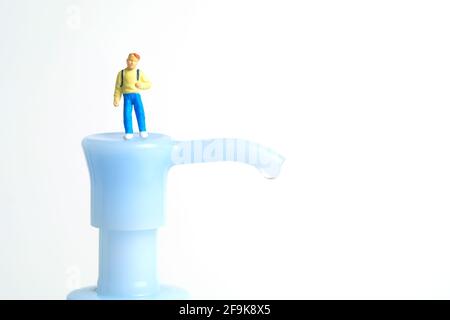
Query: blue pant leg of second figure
x=127 y=114
x=140 y=113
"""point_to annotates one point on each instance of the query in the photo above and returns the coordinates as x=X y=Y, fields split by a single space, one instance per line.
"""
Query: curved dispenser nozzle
x=265 y=160
x=128 y=185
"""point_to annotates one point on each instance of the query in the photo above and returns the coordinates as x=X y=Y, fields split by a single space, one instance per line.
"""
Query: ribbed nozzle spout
x=267 y=161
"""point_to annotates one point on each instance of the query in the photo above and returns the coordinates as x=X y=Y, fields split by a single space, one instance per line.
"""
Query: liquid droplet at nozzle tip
x=272 y=170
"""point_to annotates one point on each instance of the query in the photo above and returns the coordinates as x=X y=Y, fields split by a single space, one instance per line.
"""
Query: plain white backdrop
x=355 y=95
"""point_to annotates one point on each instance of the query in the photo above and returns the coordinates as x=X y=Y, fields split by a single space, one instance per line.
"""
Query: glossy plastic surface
x=128 y=193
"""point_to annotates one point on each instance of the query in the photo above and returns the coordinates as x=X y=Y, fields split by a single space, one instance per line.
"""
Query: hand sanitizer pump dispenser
x=128 y=186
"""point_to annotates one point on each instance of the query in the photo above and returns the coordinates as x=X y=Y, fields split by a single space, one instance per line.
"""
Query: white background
x=355 y=95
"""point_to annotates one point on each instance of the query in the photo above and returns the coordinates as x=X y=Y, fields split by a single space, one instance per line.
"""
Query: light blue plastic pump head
x=128 y=191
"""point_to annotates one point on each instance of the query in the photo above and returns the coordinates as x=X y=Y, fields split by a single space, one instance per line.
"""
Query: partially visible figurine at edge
x=130 y=82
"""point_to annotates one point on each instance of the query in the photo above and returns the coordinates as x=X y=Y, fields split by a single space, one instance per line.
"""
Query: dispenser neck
x=127 y=263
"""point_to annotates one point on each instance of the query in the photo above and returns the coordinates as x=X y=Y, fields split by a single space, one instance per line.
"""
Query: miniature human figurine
x=130 y=82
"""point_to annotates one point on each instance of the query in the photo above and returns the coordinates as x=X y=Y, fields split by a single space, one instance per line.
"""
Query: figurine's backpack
x=121 y=81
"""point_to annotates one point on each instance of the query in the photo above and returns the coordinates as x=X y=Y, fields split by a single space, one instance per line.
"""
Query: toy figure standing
x=130 y=82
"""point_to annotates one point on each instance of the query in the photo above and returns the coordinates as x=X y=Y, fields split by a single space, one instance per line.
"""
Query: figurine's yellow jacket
x=129 y=81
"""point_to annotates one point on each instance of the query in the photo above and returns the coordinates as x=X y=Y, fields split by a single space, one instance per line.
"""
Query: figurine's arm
x=144 y=83
x=117 y=91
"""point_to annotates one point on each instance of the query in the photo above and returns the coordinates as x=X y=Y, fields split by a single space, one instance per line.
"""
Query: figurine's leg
x=140 y=115
x=127 y=119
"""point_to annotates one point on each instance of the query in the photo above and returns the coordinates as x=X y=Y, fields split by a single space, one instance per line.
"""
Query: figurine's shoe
x=128 y=136
x=143 y=134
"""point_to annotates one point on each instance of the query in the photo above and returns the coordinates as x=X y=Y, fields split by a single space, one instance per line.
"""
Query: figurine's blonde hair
x=134 y=54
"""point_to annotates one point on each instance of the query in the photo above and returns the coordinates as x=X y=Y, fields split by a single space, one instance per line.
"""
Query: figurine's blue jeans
x=130 y=100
